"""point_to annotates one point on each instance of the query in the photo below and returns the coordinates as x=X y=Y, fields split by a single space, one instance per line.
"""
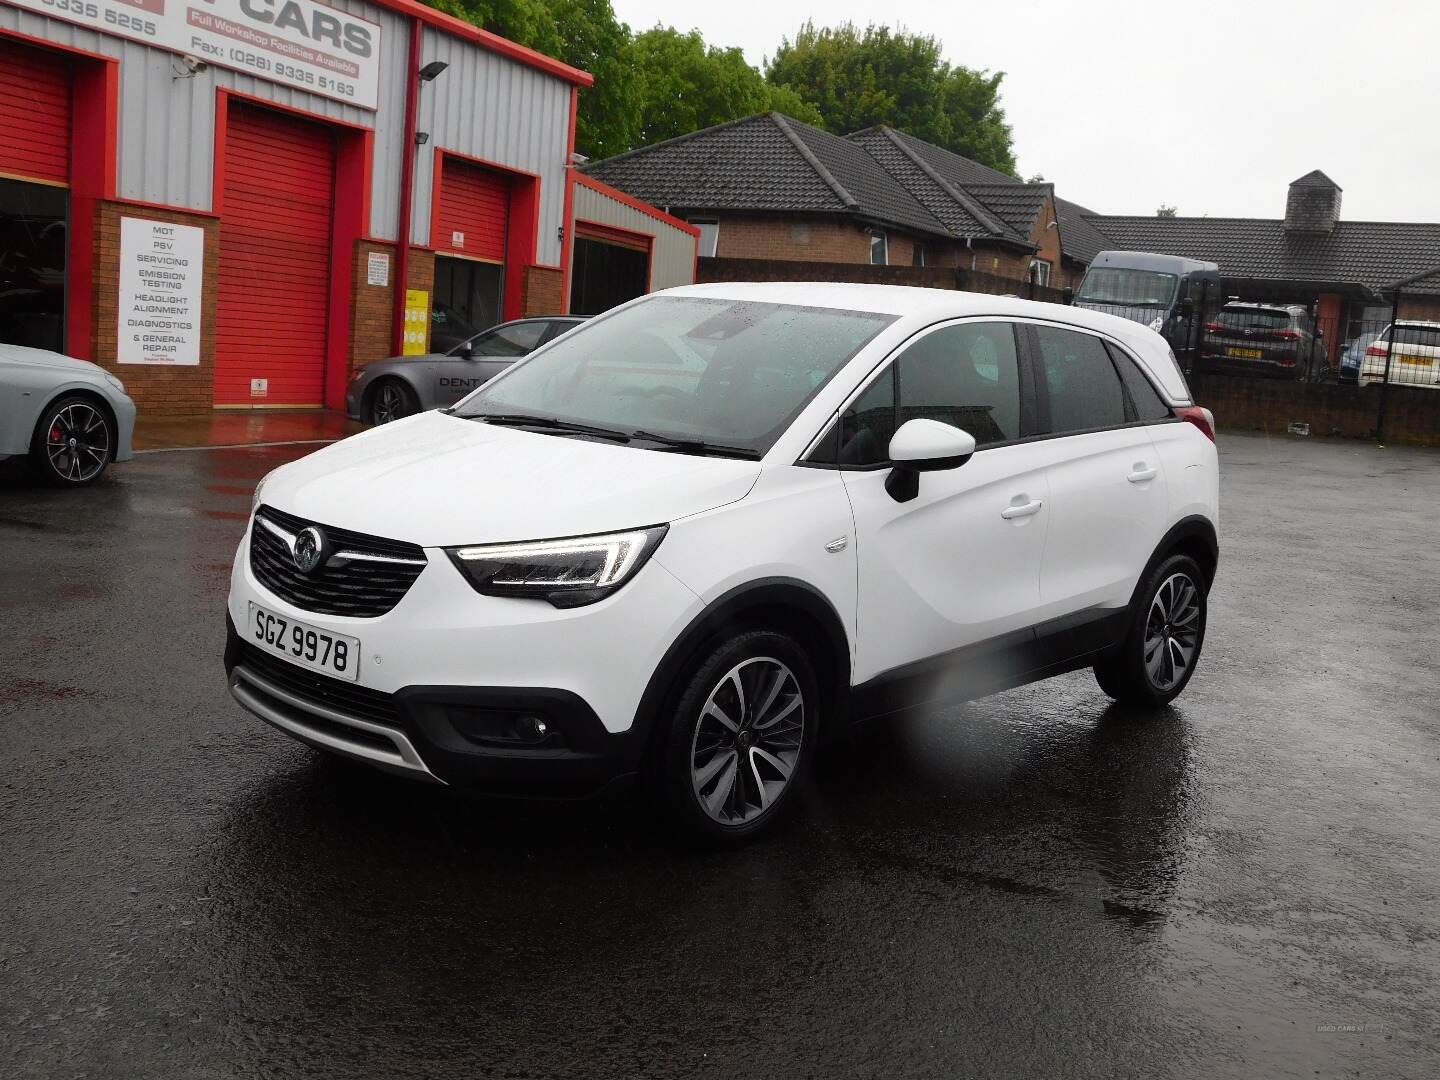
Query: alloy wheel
x=747 y=741
x=389 y=403
x=78 y=442
x=1172 y=631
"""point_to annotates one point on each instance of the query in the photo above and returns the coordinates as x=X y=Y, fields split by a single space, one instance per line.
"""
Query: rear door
x=1108 y=506
x=958 y=565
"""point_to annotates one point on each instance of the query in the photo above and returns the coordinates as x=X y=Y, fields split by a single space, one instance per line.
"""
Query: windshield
x=1132 y=288
x=728 y=372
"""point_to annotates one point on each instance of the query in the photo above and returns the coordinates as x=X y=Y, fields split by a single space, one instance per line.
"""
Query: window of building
x=918 y=257
x=967 y=376
x=1085 y=391
x=879 y=249
x=709 y=237
x=1040 y=270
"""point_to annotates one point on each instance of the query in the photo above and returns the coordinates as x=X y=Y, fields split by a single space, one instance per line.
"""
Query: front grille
x=361 y=588
x=342 y=697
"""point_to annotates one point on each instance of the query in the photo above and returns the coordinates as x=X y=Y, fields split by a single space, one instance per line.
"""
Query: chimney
x=1313 y=205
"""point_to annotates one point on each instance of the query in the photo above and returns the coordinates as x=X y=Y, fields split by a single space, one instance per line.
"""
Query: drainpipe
x=407 y=184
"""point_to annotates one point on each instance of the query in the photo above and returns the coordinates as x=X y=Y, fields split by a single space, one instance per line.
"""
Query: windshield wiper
x=695 y=446
x=550 y=423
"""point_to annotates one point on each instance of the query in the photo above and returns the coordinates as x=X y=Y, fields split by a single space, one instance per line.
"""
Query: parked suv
x=1268 y=339
x=713 y=526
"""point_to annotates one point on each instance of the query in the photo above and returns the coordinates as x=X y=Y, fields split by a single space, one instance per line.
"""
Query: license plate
x=306 y=645
x=1245 y=354
x=1417 y=361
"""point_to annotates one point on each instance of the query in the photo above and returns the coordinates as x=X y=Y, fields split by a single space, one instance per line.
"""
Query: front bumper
x=446 y=660
x=421 y=731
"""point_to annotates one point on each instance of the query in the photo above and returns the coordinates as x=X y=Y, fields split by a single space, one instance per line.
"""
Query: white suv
x=715 y=525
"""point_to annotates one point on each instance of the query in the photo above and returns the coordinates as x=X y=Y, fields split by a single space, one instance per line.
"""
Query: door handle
x=1023 y=510
x=1141 y=473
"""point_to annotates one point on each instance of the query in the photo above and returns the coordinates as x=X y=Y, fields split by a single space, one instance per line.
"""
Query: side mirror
x=1187 y=307
x=1067 y=295
x=924 y=446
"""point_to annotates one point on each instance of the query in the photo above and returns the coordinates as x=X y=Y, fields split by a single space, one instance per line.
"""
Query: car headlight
x=1157 y=322
x=116 y=383
x=568 y=573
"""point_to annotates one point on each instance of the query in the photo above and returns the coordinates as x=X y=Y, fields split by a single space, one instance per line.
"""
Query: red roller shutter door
x=474 y=208
x=278 y=201
x=34 y=113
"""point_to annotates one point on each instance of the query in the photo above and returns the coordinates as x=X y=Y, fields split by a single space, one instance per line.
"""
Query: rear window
x=1254 y=318
x=1428 y=336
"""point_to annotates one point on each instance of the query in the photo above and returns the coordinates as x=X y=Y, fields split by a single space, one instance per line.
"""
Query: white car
x=1414 y=361
x=817 y=503
x=72 y=417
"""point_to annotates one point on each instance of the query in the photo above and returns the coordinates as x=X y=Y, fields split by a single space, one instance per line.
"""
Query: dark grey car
x=1262 y=339
x=389 y=389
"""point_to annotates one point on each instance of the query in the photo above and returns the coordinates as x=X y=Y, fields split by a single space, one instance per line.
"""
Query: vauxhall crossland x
x=688 y=540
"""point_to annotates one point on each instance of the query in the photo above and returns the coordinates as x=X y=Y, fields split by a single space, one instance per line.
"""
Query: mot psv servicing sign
x=295 y=42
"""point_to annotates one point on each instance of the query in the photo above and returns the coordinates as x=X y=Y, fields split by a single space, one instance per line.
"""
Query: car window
x=967 y=376
x=1084 y=390
x=1148 y=404
x=1254 y=319
x=557 y=327
x=1418 y=335
x=514 y=339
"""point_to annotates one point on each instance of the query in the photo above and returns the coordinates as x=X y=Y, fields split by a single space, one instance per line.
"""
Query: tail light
x=1214 y=328
x=1375 y=350
x=1203 y=419
x=1287 y=335
x=1287 y=361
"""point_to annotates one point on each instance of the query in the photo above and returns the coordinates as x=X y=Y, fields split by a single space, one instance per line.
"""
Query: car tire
x=738 y=739
x=73 y=442
x=1162 y=645
x=391 y=399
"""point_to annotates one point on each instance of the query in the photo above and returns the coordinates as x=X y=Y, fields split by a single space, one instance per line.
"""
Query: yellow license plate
x=1418 y=361
x=1245 y=354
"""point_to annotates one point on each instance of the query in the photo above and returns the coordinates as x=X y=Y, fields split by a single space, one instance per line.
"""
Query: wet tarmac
x=1032 y=885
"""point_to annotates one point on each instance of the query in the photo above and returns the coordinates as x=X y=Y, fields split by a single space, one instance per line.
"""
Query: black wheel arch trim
x=1194 y=527
x=731 y=609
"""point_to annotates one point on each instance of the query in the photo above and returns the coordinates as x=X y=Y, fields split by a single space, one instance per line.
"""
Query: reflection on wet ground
x=1037 y=884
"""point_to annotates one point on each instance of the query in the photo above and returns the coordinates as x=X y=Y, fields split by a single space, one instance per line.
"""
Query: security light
x=432 y=69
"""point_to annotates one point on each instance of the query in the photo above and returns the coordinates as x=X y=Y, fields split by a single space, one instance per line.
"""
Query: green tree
x=686 y=85
x=856 y=79
x=585 y=34
x=1165 y=211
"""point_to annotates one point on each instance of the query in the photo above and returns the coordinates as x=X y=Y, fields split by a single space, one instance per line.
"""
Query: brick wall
x=373 y=305
x=544 y=291
x=172 y=390
x=1243 y=403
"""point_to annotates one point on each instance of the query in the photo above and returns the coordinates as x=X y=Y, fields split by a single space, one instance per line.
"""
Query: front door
x=959 y=565
x=483 y=357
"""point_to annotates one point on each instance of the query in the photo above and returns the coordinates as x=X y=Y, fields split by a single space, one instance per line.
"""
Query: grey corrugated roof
x=962 y=214
x=1079 y=237
x=1375 y=254
x=1018 y=204
x=997 y=193
x=766 y=162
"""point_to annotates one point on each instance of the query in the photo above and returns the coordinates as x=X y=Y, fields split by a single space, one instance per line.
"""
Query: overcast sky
x=1213 y=108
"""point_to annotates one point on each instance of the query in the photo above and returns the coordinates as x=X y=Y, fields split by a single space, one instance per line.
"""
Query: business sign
x=161 y=270
x=417 y=322
x=295 y=42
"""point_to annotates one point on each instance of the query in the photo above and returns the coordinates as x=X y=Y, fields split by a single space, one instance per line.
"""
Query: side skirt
x=1024 y=656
